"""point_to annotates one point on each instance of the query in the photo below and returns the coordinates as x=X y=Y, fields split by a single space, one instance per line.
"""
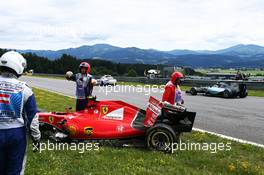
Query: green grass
x=256 y=93
x=48 y=76
x=49 y=101
x=241 y=159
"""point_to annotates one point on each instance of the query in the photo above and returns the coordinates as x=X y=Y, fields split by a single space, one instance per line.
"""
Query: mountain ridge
x=241 y=53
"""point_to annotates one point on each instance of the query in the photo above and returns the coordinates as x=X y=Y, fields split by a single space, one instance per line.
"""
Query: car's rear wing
x=152 y=112
x=156 y=108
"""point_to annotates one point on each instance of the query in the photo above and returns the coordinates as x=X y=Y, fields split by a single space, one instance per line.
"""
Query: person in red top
x=172 y=93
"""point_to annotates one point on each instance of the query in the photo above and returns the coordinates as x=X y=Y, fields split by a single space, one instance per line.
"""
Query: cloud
x=159 y=24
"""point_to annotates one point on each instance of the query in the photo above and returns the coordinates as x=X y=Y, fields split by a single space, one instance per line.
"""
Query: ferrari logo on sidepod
x=51 y=119
x=104 y=109
x=88 y=131
x=72 y=130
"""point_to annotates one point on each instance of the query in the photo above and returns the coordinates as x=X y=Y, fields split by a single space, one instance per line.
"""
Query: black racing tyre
x=161 y=137
x=193 y=91
x=207 y=93
x=47 y=131
x=226 y=94
x=243 y=95
x=243 y=91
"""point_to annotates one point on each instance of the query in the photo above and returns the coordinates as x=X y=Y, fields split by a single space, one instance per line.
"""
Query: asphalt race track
x=239 y=118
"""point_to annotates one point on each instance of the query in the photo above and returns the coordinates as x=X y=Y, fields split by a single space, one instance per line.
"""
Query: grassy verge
x=256 y=93
x=241 y=159
x=47 y=76
x=49 y=101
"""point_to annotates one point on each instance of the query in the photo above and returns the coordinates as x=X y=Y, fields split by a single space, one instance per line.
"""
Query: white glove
x=94 y=82
x=69 y=74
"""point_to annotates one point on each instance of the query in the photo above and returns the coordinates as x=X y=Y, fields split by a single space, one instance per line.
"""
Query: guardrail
x=257 y=85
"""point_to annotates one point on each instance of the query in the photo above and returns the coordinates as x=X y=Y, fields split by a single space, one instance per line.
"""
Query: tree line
x=68 y=62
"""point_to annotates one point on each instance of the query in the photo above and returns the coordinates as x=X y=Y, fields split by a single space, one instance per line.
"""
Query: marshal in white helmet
x=14 y=61
x=18 y=114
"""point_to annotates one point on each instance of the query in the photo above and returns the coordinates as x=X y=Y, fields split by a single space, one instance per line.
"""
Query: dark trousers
x=81 y=104
x=13 y=144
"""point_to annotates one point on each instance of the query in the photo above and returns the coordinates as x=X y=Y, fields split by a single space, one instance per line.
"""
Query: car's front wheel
x=47 y=131
x=161 y=137
x=226 y=94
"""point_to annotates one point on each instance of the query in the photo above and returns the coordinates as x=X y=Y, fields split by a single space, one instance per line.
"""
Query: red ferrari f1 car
x=159 y=125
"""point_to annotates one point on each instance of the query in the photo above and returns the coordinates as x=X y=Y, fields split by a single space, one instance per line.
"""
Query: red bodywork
x=104 y=120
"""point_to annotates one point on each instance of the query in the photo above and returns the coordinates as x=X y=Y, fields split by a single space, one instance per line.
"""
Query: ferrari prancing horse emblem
x=51 y=119
x=88 y=131
x=104 y=109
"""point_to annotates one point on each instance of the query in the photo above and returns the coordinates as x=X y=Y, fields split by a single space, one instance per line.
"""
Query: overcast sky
x=157 y=24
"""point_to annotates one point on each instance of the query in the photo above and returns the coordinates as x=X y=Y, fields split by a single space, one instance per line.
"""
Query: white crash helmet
x=14 y=61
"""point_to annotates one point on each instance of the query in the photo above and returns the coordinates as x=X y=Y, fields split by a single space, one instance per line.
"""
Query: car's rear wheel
x=161 y=137
x=243 y=94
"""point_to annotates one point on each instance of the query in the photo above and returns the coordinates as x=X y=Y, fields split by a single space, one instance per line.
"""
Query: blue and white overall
x=17 y=114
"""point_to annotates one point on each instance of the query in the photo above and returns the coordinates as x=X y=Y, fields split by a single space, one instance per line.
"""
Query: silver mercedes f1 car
x=225 y=90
